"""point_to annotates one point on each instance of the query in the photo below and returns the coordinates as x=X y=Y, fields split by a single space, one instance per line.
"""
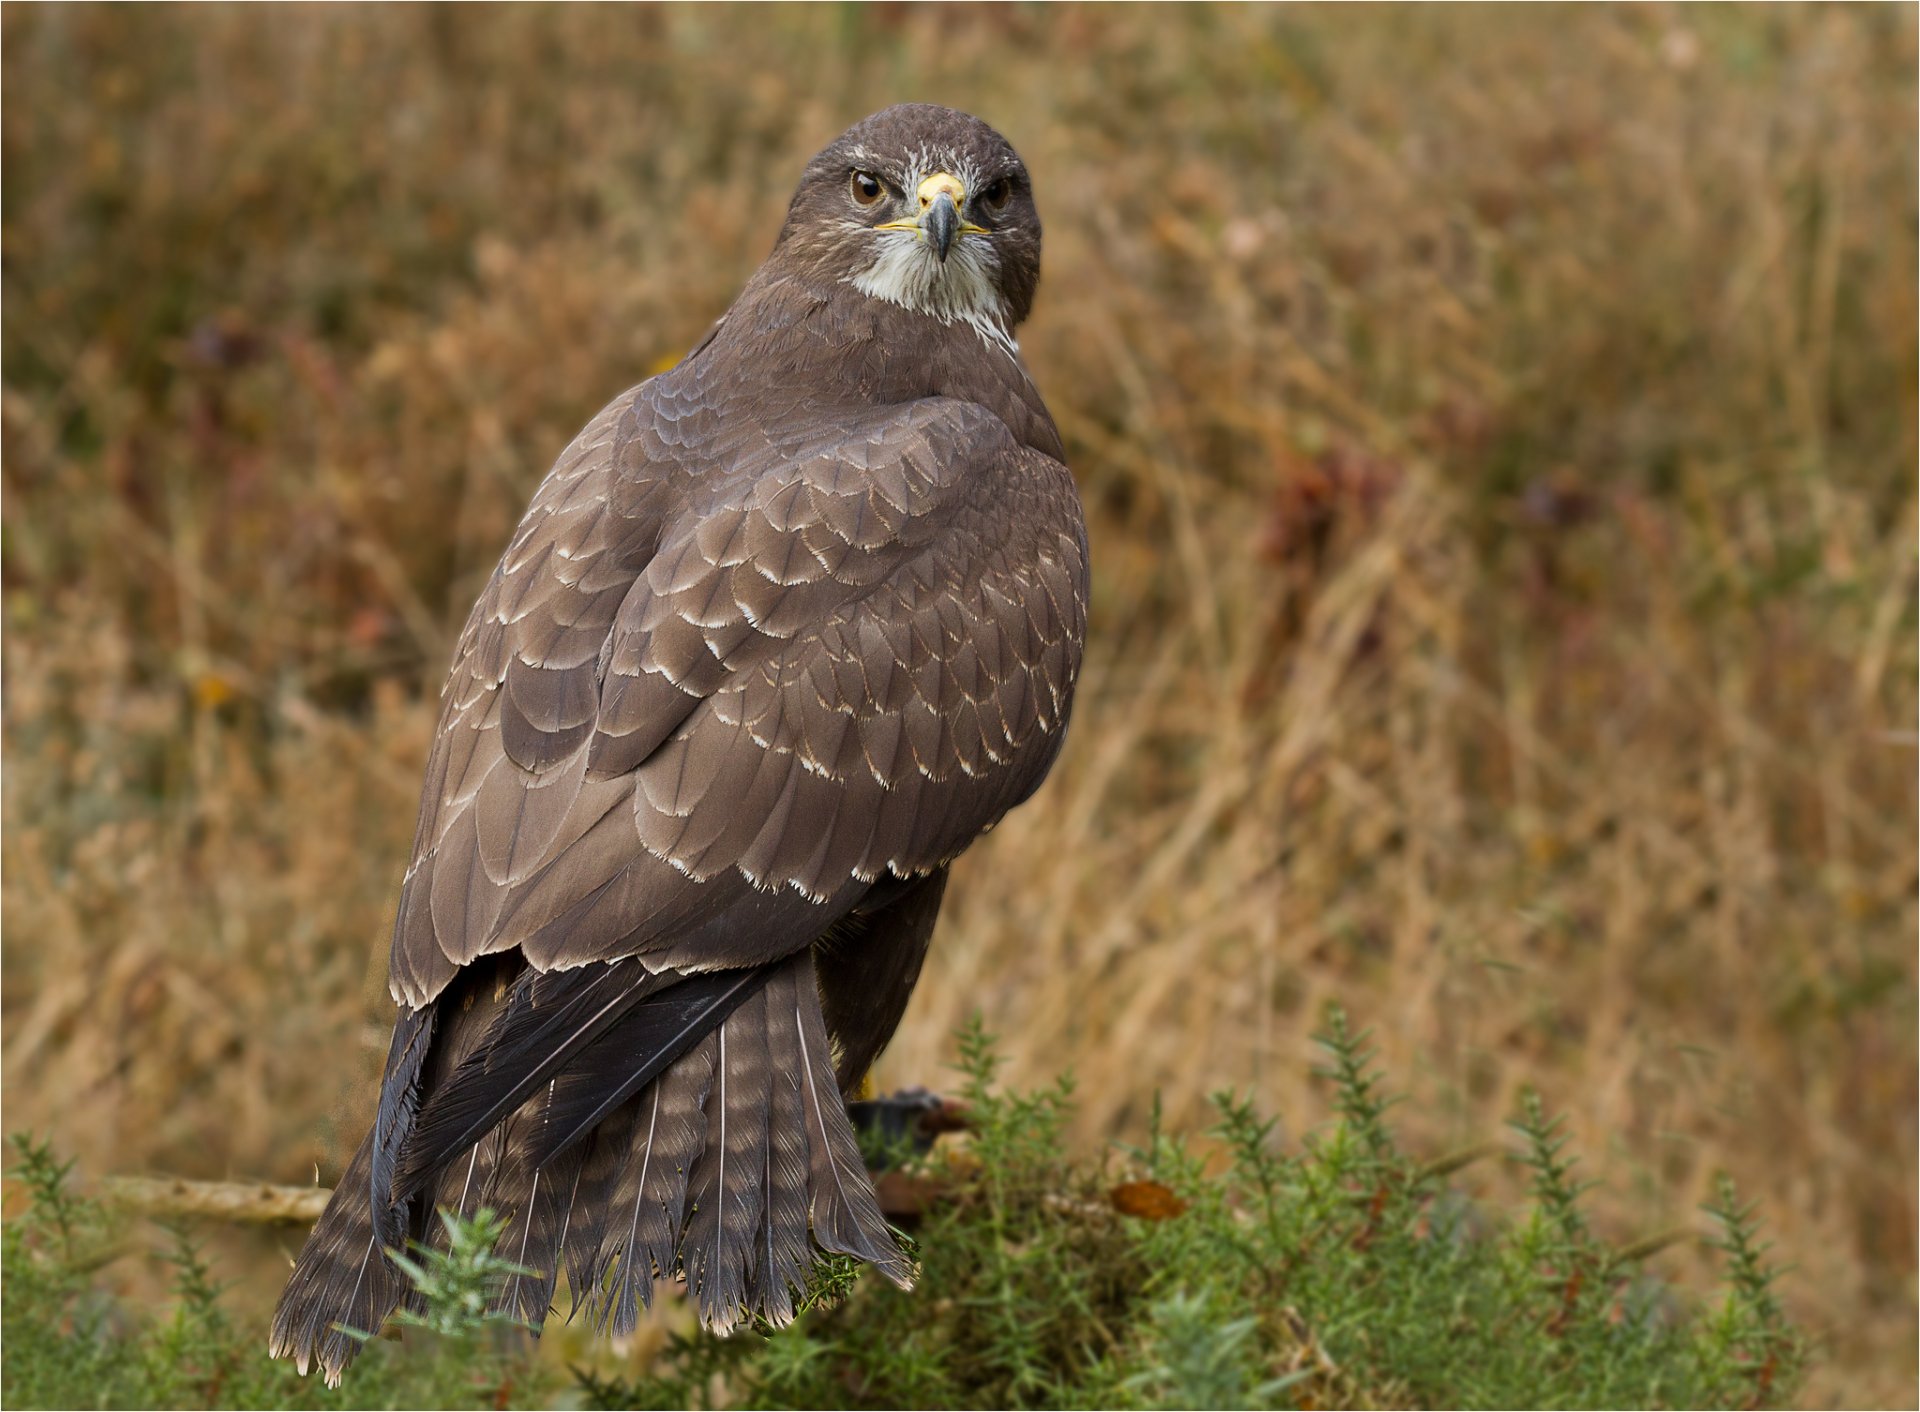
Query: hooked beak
x=941 y=224
x=941 y=197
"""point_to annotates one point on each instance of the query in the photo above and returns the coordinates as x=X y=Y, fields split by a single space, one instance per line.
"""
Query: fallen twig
x=249 y=1203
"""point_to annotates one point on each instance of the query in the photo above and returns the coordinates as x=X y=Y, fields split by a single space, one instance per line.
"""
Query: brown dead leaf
x=1150 y=1201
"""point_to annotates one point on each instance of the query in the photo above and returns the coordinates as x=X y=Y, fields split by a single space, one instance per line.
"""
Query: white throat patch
x=962 y=289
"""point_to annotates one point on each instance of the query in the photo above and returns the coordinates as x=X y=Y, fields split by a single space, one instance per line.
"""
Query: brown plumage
x=784 y=630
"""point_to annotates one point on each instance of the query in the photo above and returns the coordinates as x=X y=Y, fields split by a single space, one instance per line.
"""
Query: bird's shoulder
x=882 y=598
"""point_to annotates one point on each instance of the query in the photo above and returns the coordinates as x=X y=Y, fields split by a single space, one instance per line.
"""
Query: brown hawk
x=784 y=630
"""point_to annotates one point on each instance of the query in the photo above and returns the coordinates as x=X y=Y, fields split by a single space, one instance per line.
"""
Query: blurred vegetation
x=73 y=1342
x=1497 y=430
x=1343 y=1275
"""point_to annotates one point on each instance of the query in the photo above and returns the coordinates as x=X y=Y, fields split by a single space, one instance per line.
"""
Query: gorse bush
x=1345 y=1273
x=70 y=1343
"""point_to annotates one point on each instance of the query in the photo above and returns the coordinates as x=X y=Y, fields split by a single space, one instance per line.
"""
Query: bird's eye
x=865 y=188
x=996 y=196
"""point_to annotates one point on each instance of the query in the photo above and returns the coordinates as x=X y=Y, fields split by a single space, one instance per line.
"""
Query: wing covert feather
x=824 y=657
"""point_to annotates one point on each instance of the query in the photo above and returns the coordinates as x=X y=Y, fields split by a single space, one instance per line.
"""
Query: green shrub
x=1343 y=1274
x=70 y=1344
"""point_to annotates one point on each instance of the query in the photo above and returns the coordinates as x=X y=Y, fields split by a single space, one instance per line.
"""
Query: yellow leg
x=863 y=1091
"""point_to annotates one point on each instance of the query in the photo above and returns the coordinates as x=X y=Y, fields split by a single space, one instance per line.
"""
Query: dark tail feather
x=731 y=1165
x=648 y=1209
x=341 y=1278
x=342 y=1275
x=399 y=1105
x=728 y=1182
x=603 y=1159
x=539 y=1197
x=466 y=1185
x=845 y=1211
x=549 y=1020
x=733 y=1155
x=782 y=1251
x=663 y=1027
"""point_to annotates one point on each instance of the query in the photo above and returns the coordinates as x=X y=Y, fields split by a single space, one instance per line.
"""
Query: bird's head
x=927 y=208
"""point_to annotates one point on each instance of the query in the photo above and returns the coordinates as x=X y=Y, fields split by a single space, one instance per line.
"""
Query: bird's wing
x=503 y=789
x=695 y=716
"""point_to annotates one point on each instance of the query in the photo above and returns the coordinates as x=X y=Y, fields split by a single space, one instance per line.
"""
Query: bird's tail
x=733 y=1167
x=342 y=1284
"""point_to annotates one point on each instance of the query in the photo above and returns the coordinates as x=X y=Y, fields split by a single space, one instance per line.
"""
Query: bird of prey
x=783 y=631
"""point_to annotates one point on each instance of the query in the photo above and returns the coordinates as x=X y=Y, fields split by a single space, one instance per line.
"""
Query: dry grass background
x=1498 y=433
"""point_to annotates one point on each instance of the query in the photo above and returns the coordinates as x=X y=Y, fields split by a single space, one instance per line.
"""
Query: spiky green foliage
x=70 y=1343
x=1225 y=1273
x=1344 y=1273
x=1748 y=1340
x=460 y=1281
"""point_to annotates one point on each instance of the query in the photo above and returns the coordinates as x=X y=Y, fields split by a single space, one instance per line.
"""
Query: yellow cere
x=931 y=188
x=928 y=192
